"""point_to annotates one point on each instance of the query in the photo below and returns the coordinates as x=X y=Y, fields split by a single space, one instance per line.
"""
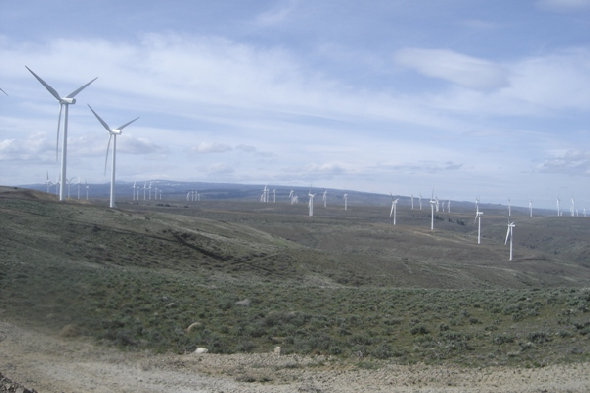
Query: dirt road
x=54 y=364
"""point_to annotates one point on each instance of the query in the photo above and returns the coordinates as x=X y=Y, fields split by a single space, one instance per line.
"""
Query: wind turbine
x=412 y=202
x=478 y=219
x=476 y=205
x=47 y=181
x=79 y=183
x=573 y=207
x=432 y=203
x=324 y=197
x=393 y=208
x=345 y=202
x=63 y=101
x=87 y=188
x=449 y=206
x=509 y=236
x=558 y=200
x=420 y=201
x=531 y=208
x=113 y=132
x=311 y=196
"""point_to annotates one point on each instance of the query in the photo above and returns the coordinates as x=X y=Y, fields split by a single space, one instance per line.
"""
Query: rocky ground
x=56 y=364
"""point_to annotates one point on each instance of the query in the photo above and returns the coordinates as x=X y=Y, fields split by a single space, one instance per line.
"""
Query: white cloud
x=211 y=147
x=454 y=67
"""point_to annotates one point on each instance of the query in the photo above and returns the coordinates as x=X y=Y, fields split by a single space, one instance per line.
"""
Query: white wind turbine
x=47 y=182
x=112 y=135
x=478 y=219
x=420 y=201
x=63 y=101
x=449 y=206
x=412 y=202
x=558 y=200
x=324 y=197
x=531 y=208
x=345 y=202
x=87 y=189
x=573 y=207
x=291 y=193
x=476 y=205
x=509 y=236
x=393 y=211
x=311 y=196
x=79 y=183
x=432 y=203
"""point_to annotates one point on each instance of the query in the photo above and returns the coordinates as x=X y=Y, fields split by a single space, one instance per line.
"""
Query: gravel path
x=52 y=364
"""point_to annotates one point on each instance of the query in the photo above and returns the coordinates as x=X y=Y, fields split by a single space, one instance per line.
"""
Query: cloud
x=453 y=67
x=277 y=14
x=134 y=145
x=246 y=148
x=35 y=147
x=572 y=162
x=211 y=147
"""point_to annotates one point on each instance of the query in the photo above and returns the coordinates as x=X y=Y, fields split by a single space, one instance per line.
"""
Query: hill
x=247 y=276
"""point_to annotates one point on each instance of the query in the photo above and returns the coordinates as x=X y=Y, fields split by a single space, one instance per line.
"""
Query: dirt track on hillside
x=54 y=364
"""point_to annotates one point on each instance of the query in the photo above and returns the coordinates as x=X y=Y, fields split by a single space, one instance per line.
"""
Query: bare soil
x=58 y=364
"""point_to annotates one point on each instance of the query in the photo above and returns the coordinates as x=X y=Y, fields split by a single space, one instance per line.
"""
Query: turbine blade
x=79 y=89
x=58 y=127
x=391 y=212
x=126 y=124
x=2 y=90
x=49 y=88
x=507 y=235
x=104 y=124
x=106 y=157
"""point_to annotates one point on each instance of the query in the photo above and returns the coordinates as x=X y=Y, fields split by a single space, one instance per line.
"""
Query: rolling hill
x=253 y=275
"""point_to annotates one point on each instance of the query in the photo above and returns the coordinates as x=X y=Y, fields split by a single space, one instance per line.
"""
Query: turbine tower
x=478 y=219
x=112 y=135
x=63 y=101
x=324 y=197
x=573 y=207
x=509 y=236
x=432 y=203
x=393 y=209
x=345 y=202
x=531 y=208
x=311 y=196
x=412 y=202
x=558 y=214
x=47 y=182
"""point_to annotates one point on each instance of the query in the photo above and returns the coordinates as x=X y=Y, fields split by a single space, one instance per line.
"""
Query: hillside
x=249 y=276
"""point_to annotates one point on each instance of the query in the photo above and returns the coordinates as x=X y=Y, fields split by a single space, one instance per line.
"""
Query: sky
x=471 y=98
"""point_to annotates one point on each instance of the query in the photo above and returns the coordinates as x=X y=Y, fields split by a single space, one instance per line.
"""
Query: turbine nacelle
x=67 y=100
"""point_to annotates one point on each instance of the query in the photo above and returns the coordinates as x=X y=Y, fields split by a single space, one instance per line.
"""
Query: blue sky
x=471 y=98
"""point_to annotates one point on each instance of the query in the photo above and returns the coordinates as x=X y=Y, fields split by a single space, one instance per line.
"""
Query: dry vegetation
x=250 y=277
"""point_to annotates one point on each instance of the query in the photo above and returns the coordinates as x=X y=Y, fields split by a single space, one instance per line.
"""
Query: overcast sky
x=469 y=97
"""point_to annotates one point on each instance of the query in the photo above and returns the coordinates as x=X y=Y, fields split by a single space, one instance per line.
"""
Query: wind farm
x=192 y=254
